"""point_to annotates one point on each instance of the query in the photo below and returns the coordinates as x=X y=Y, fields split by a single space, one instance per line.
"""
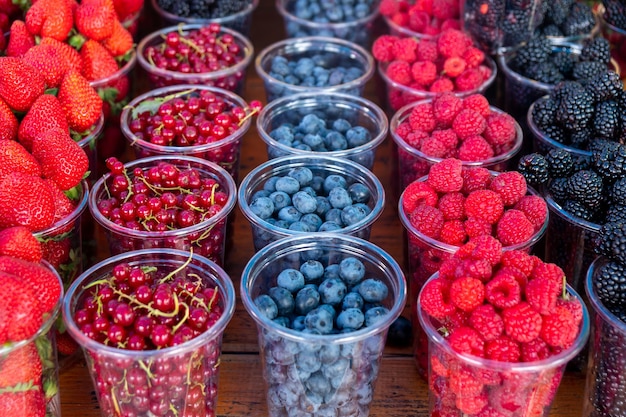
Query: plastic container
x=317 y=374
x=329 y=107
x=607 y=346
x=224 y=152
x=522 y=388
x=240 y=21
x=615 y=36
x=206 y=238
x=404 y=32
x=232 y=78
x=398 y=95
x=89 y=144
x=265 y=232
x=329 y=53
x=359 y=31
x=172 y=378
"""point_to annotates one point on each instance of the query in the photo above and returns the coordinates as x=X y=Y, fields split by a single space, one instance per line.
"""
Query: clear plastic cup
x=265 y=231
x=89 y=144
x=232 y=78
x=607 y=348
x=398 y=95
x=512 y=389
x=177 y=378
x=206 y=238
x=615 y=36
x=359 y=31
x=404 y=32
x=315 y=374
x=329 y=53
x=291 y=110
x=240 y=21
x=224 y=152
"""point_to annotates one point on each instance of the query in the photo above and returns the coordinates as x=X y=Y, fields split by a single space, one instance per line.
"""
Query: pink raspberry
x=405 y=48
x=450 y=24
x=541 y=294
x=400 y=18
x=503 y=349
x=488 y=248
x=522 y=323
x=463 y=383
x=511 y=186
x=500 y=129
x=445 y=9
x=475 y=178
x=454 y=66
x=418 y=20
x=467 y=340
x=559 y=328
x=432 y=29
x=452 y=206
x=548 y=270
x=453 y=233
x=427 y=220
x=473 y=56
x=424 y=72
x=475 y=227
x=467 y=293
x=448 y=267
x=427 y=51
x=514 y=228
x=445 y=107
x=535 y=209
x=453 y=42
x=503 y=292
x=472 y=405
x=479 y=103
x=448 y=138
x=389 y=7
x=383 y=48
x=400 y=72
x=474 y=149
x=535 y=350
x=468 y=123
x=469 y=80
x=456 y=320
x=433 y=147
x=475 y=268
x=485 y=71
x=515 y=273
x=574 y=307
x=425 y=6
x=418 y=193
x=438 y=368
x=403 y=129
x=445 y=176
x=518 y=259
x=416 y=138
x=442 y=85
x=435 y=299
x=487 y=322
x=422 y=117
x=484 y=204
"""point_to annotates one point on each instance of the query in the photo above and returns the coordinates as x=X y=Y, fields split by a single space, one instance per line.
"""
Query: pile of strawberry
x=505 y=306
x=427 y=17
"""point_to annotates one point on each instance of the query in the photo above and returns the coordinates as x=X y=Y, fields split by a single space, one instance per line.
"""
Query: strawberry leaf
x=76 y=41
x=74 y=193
x=108 y=94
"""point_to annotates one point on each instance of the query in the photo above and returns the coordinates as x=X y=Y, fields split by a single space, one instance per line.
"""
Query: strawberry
x=21 y=366
x=94 y=19
x=63 y=206
x=19 y=242
x=68 y=54
x=120 y=41
x=56 y=252
x=20 y=84
x=65 y=344
x=8 y=123
x=127 y=8
x=20 y=39
x=49 y=61
x=51 y=18
x=45 y=114
x=25 y=315
x=98 y=63
x=61 y=158
x=15 y=158
x=31 y=403
x=25 y=200
x=39 y=278
x=80 y=102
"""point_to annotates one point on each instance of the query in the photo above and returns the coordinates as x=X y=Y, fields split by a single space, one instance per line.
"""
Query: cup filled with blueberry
x=150 y=324
x=323 y=305
x=313 y=63
x=302 y=194
x=334 y=124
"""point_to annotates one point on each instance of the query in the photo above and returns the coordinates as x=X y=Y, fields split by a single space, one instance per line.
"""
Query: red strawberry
x=15 y=158
x=51 y=18
x=20 y=39
x=45 y=284
x=49 y=61
x=8 y=123
x=65 y=344
x=81 y=103
x=19 y=242
x=25 y=200
x=55 y=252
x=21 y=366
x=98 y=63
x=63 y=206
x=62 y=159
x=20 y=84
x=31 y=403
x=25 y=314
x=94 y=19
x=127 y=8
x=45 y=114
x=68 y=54
x=120 y=41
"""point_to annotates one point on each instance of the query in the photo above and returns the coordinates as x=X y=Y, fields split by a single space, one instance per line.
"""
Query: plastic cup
x=232 y=78
x=290 y=110
x=404 y=32
x=329 y=53
x=224 y=152
x=206 y=238
x=607 y=347
x=615 y=36
x=178 y=378
x=264 y=232
x=89 y=144
x=358 y=31
x=512 y=389
x=399 y=95
x=314 y=374
x=240 y=21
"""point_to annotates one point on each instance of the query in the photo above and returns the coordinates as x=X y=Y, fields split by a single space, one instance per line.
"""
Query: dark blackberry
x=564 y=62
x=616 y=213
x=534 y=168
x=580 y=138
x=575 y=110
x=544 y=72
x=618 y=246
x=180 y=8
x=596 y=49
x=537 y=50
x=165 y=4
x=544 y=112
x=487 y=12
x=581 y=162
x=586 y=187
x=558 y=11
x=610 y=282
x=615 y=13
x=617 y=192
x=607 y=385
x=565 y=88
x=585 y=70
x=579 y=21
x=609 y=160
x=558 y=189
x=228 y=7
x=560 y=162
x=516 y=27
x=578 y=209
x=551 y=30
x=606 y=119
x=621 y=99
x=622 y=125
x=602 y=240
x=556 y=133
x=605 y=85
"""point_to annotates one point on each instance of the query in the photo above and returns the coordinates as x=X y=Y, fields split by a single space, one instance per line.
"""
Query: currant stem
x=180 y=268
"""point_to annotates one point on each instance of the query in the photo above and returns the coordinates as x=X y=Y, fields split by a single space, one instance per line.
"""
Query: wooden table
x=400 y=392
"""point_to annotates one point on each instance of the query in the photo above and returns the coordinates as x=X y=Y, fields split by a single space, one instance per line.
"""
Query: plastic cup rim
x=561 y=212
x=287 y=15
x=596 y=304
x=125 y=69
x=71 y=217
x=98 y=127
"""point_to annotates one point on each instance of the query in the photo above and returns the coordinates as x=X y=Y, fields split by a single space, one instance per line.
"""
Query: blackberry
x=180 y=8
x=618 y=246
x=605 y=85
x=544 y=72
x=564 y=62
x=575 y=110
x=585 y=70
x=607 y=390
x=586 y=187
x=609 y=159
x=580 y=138
x=226 y=8
x=560 y=162
x=615 y=13
x=578 y=209
x=200 y=7
x=610 y=283
x=487 y=12
x=602 y=240
x=581 y=162
x=617 y=192
x=516 y=26
x=544 y=112
x=606 y=119
x=558 y=189
x=537 y=50
x=556 y=133
x=565 y=88
x=551 y=30
x=534 y=168
x=579 y=21
x=616 y=213
x=558 y=10
x=596 y=49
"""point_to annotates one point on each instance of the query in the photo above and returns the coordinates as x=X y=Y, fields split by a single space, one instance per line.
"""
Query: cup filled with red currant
x=150 y=324
x=203 y=53
x=174 y=202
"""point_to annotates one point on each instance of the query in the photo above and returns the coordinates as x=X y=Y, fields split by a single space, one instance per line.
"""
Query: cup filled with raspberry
x=452 y=205
x=333 y=124
x=501 y=328
x=421 y=19
x=206 y=54
x=323 y=304
x=150 y=323
x=175 y=202
x=303 y=194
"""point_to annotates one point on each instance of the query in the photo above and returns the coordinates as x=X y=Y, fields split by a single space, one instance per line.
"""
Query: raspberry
x=511 y=186
x=521 y=322
x=475 y=268
x=400 y=19
x=424 y=73
x=425 y=6
x=415 y=138
x=558 y=328
x=456 y=320
x=473 y=57
x=403 y=130
x=548 y=270
x=489 y=412
x=541 y=294
x=427 y=51
x=465 y=251
x=467 y=340
x=389 y=8
x=418 y=20
x=535 y=350
x=450 y=24
x=515 y=273
x=453 y=233
x=434 y=298
x=404 y=49
x=573 y=306
x=464 y=384
x=474 y=149
x=438 y=368
x=467 y=293
x=484 y=204
x=383 y=48
x=422 y=117
x=503 y=349
x=470 y=79
x=485 y=71
x=433 y=147
x=454 y=66
x=503 y=292
x=514 y=228
x=488 y=248
x=452 y=206
x=476 y=178
x=418 y=193
x=471 y=405
x=445 y=107
x=445 y=176
x=468 y=123
x=500 y=130
x=518 y=259
x=447 y=137
x=453 y=42
x=400 y=72
x=535 y=209
x=445 y=9
x=487 y=322
x=427 y=220
x=479 y=103
x=475 y=227
x=441 y=85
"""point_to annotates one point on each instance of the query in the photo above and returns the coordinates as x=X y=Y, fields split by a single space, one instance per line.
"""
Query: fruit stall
x=241 y=208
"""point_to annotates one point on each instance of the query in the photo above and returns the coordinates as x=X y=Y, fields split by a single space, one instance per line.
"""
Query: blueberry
x=361 y=11
x=312 y=220
x=262 y=207
x=270 y=184
x=312 y=270
x=299 y=226
x=266 y=306
x=310 y=402
x=304 y=67
x=353 y=73
x=332 y=291
x=333 y=215
x=308 y=81
x=351 y=270
x=287 y=184
x=335 y=14
x=308 y=361
x=307 y=299
x=302 y=175
x=289 y=214
x=353 y=214
x=314 y=141
x=323 y=206
x=279 y=66
x=336 y=76
x=359 y=193
x=336 y=369
x=339 y=198
x=282 y=321
x=358 y=136
x=283 y=299
x=321 y=77
x=334 y=180
x=290 y=279
x=280 y=199
x=304 y=202
x=310 y=191
x=318 y=383
x=320 y=320
x=352 y=300
x=259 y=193
x=341 y=125
x=335 y=141
x=332 y=271
x=373 y=290
x=317 y=183
x=311 y=124
x=374 y=315
x=350 y=319
x=292 y=79
x=298 y=323
x=329 y=353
